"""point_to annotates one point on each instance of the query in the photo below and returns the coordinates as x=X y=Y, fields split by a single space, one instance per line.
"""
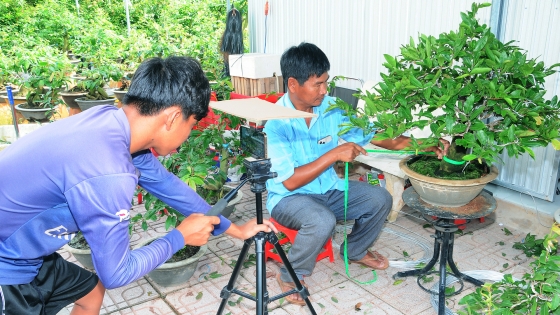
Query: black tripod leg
x=299 y=287
x=262 y=292
x=456 y=271
x=229 y=288
x=442 y=273
x=429 y=265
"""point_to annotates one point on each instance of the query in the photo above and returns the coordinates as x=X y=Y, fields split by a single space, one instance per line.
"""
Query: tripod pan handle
x=217 y=208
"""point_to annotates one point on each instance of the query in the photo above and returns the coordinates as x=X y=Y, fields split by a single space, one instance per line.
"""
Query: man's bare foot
x=373 y=260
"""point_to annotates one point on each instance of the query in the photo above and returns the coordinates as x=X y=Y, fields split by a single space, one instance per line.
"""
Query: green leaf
x=415 y=81
x=390 y=60
x=482 y=137
x=481 y=43
x=466 y=19
x=555 y=302
x=480 y=70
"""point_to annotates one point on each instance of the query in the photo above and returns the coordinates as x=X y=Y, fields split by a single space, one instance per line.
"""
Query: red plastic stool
x=290 y=237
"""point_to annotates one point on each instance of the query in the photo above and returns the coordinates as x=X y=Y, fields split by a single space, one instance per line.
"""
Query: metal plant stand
x=481 y=206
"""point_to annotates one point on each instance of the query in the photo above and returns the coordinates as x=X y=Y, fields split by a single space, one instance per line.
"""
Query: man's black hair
x=161 y=83
x=303 y=61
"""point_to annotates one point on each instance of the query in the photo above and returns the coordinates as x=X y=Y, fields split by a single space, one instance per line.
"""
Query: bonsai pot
x=17 y=99
x=169 y=274
x=5 y=93
x=87 y=104
x=70 y=98
x=40 y=114
x=119 y=94
x=445 y=192
x=83 y=256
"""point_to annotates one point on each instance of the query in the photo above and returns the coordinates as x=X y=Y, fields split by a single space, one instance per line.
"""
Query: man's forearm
x=399 y=143
x=304 y=174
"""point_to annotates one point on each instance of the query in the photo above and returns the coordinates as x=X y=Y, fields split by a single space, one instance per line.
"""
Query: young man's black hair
x=303 y=61
x=160 y=83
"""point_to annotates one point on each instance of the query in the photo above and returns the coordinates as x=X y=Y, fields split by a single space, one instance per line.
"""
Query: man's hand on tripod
x=196 y=228
x=250 y=228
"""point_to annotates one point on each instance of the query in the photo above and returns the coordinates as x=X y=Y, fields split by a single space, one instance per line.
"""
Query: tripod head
x=258 y=172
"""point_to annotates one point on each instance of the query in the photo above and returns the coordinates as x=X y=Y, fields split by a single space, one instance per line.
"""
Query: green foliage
x=535 y=293
x=489 y=95
x=45 y=80
x=98 y=34
x=531 y=246
x=97 y=78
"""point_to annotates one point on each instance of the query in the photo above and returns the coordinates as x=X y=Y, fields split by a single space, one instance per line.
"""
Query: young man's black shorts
x=58 y=284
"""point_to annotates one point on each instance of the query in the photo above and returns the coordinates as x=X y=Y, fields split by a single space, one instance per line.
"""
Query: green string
x=345 y=240
x=397 y=152
x=450 y=161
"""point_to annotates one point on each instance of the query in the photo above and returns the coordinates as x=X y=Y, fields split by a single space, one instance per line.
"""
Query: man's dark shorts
x=58 y=284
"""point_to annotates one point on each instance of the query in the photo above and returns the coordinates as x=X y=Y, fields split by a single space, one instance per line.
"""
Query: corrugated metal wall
x=355 y=35
x=534 y=24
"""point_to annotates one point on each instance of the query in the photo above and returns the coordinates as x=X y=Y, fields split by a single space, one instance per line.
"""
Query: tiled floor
x=482 y=246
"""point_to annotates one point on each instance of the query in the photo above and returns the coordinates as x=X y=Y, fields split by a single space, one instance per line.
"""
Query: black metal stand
x=257 y=174
x=443 y=244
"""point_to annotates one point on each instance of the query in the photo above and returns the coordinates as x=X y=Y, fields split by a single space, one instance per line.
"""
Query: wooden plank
x=254 y=87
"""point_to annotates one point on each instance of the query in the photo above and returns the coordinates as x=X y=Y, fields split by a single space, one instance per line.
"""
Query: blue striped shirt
x=292 y=144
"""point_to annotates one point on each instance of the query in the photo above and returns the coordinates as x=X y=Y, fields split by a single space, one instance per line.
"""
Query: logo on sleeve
x=60 y=232
x=123 y=215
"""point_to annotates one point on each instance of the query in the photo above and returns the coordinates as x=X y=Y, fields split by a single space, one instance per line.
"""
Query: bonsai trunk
x=454 y=153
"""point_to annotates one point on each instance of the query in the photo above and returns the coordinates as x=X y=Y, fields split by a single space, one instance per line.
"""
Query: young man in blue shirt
x=307 y=195
x=79 y=174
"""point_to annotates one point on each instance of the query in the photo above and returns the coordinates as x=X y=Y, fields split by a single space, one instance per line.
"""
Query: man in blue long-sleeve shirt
x=79 y=174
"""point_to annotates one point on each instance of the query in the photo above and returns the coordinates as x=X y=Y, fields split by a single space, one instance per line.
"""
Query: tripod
x=258 y=172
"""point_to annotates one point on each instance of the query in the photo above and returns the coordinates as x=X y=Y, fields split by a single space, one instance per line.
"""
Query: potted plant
x=70 y=95
x=485 y=95
x=123 y=87
x=79 y=248
x=43 y=86
x=95 y=80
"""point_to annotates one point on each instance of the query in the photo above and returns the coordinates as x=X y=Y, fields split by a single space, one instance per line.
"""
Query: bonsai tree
x=486 y=95
x=44 y=82
x=96 y=78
